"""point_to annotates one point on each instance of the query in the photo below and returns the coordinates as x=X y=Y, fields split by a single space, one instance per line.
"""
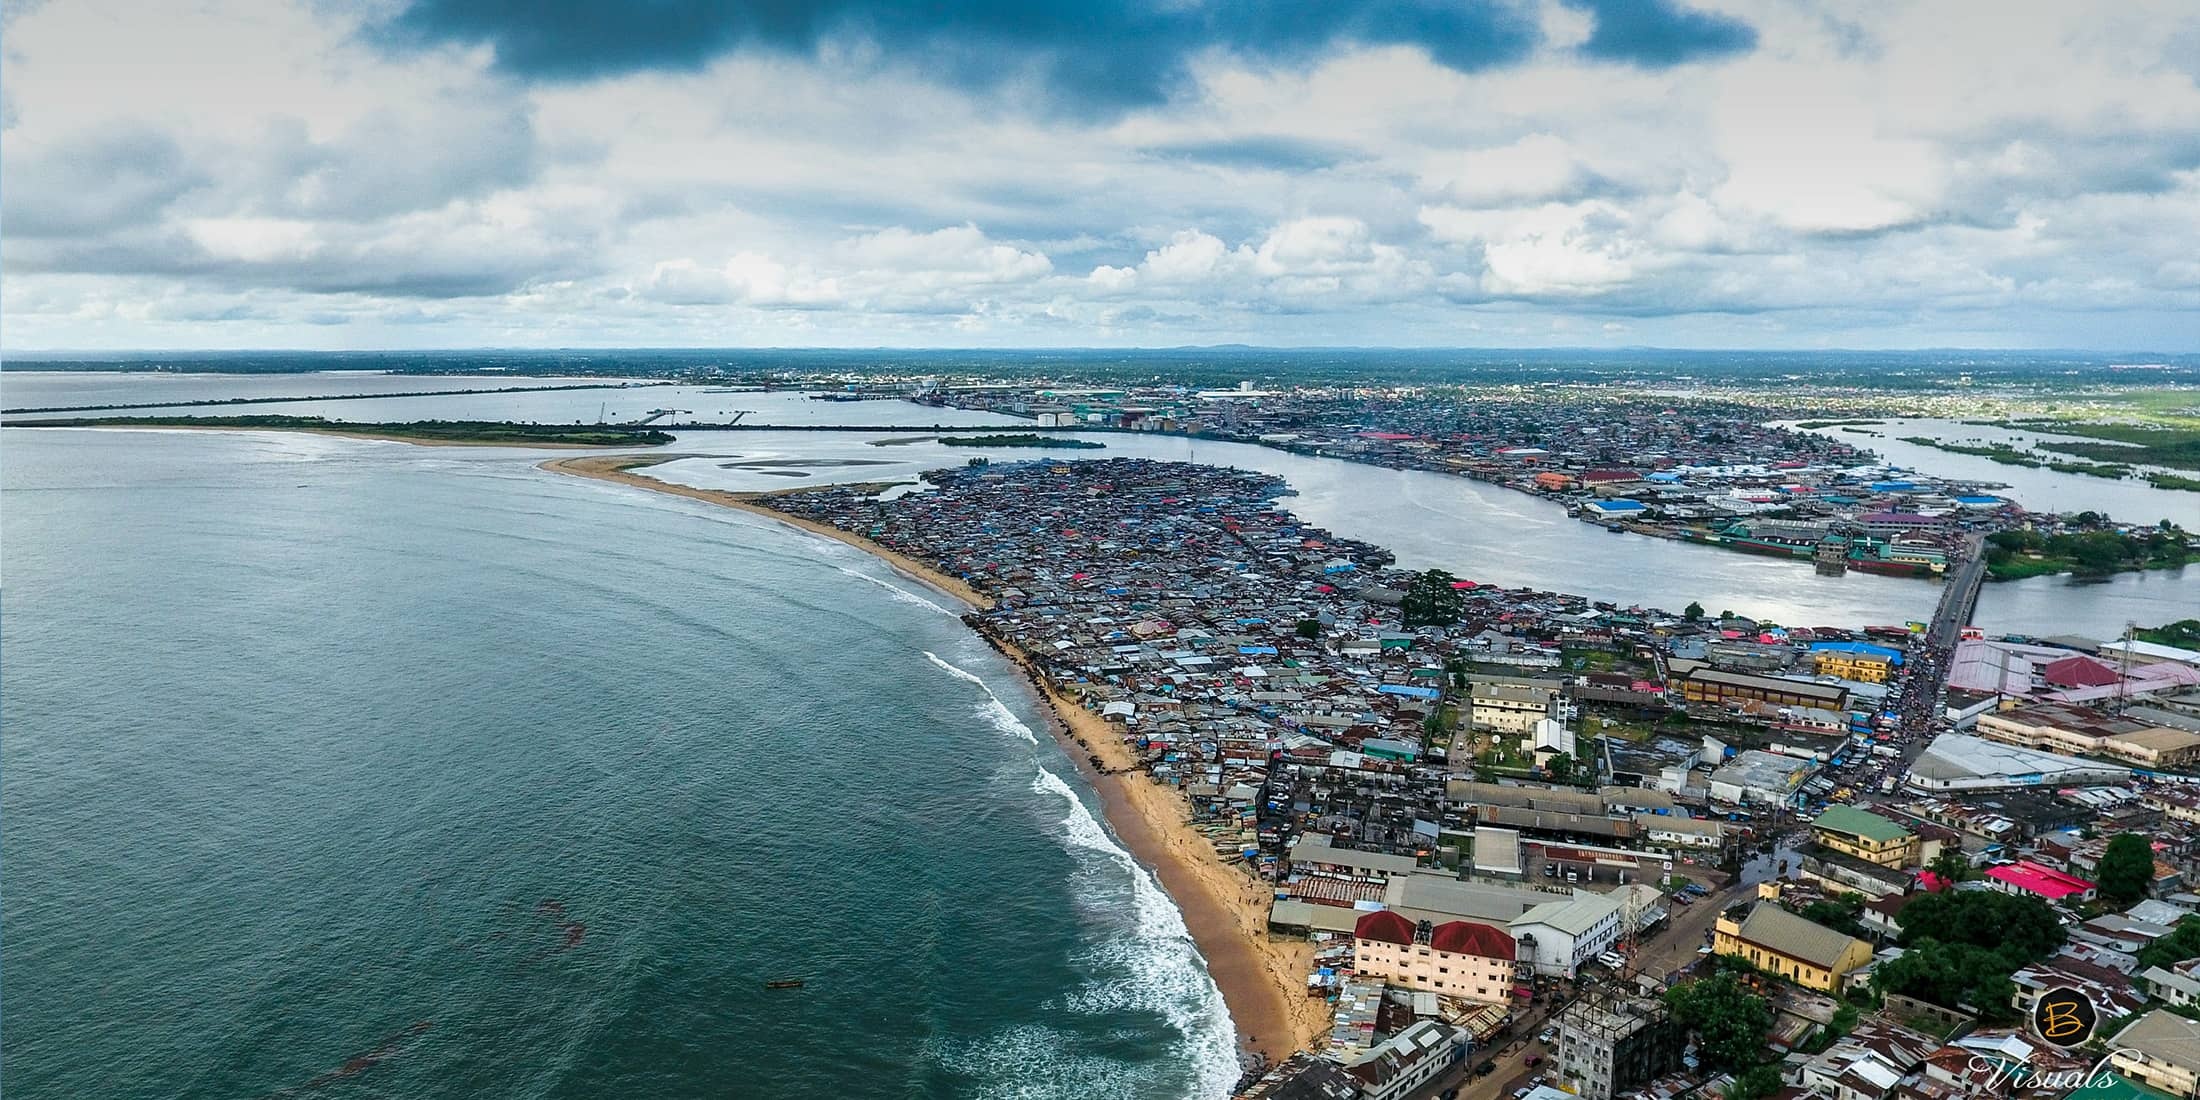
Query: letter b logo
x=2064 y=1017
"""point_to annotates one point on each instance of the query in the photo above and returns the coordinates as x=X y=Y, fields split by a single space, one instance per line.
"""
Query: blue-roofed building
x=1410 y=691
x=1861 y=648
x=1615 y=509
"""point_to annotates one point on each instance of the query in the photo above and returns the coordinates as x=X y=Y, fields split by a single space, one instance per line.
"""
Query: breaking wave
x=900 y=594
x=1151 y=964
x=956 y=671
x=1140 y=960
x=993 y=710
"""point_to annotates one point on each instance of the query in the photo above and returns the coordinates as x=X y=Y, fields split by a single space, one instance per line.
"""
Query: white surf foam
x=993 y=710
x=900 y=594
x=956 y=671
x=1153 y=965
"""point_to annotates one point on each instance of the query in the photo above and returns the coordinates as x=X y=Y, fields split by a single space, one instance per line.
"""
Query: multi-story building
x=2160 y=1049
x=1465 y=959
x=2077 y=731
x=1608 y=1045
x=1702 y=684
x=1509 y=708
x=1854 y=661
x=1779 y=942
x=1866 y=836
x=1757 y=776
x=1558 y=936
x=1408 y=1060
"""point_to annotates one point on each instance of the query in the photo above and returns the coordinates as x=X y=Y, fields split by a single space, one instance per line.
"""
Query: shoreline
x=378 y=437
x=621 y=469
x=1262 y=978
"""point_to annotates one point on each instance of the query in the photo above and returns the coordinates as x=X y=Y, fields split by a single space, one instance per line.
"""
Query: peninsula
x=1288 y=730
x=484 y=433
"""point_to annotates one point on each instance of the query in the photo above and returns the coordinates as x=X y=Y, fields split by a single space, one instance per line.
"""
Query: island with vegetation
x=2184 y=634
x=2150 y=445
x=2008 y=455
x=2019 y=553
x=477 y=432
x=1025 y=439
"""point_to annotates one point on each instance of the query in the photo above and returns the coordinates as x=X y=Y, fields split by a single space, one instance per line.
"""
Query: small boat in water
x=784 y=983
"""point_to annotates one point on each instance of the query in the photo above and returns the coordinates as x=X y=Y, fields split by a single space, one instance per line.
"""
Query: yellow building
x=1511 y=708
x=1866 y=836
x=1868 y=668
x=2077 y=731
x=1781 y=943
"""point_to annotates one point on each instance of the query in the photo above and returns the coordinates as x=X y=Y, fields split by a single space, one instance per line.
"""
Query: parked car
x=1485 y=1069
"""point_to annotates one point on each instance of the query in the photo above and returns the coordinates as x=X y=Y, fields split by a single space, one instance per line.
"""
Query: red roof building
x=1461 y=937
x=1385 y=926
x=2075 y=672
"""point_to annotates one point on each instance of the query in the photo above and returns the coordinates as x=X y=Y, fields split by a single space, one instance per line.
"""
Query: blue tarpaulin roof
x=1410 y=691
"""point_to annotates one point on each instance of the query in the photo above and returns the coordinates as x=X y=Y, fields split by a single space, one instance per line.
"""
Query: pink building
x=2040 y=881
x=1458 y=958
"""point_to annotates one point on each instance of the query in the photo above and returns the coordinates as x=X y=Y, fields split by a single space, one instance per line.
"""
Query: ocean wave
x=900 y=594
x=956 y=671
x=1152 y=965
x=994 y=710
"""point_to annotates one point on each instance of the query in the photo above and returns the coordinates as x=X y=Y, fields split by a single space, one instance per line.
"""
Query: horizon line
x=9 y=356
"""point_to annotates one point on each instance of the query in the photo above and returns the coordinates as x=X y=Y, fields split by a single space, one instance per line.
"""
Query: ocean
x=366 y=770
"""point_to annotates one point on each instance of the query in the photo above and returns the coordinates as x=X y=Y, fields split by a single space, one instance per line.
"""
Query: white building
x=1550 y=738
x=1558 y=936
x=1408 y=1060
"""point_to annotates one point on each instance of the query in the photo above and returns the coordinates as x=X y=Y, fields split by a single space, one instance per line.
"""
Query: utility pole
x=2123 y=666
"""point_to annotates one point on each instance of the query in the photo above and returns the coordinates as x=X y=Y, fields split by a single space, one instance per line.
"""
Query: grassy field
x=2177 y=448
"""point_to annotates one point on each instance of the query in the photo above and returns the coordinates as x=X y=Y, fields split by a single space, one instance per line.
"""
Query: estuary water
x=355 y=769
x=1484 y=532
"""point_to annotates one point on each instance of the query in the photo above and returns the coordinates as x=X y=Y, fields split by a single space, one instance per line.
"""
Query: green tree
x=1950 y=865
x=1755 y=1083
x=1953 y=975
x=1561 y=767
x=1310 y=629
x=1843 y=913
x=1730 y=1022
x=2183 y=942
x=2127 y=869
x=1693 y=612
x=1432 y=601
x=2019 y=928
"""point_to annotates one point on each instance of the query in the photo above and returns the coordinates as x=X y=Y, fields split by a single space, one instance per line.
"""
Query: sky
x=993 y=173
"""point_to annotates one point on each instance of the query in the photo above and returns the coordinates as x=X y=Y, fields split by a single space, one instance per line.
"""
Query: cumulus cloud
x=849 y=171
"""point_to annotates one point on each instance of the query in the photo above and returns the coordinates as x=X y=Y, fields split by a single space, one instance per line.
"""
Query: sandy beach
x=1262 y=978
